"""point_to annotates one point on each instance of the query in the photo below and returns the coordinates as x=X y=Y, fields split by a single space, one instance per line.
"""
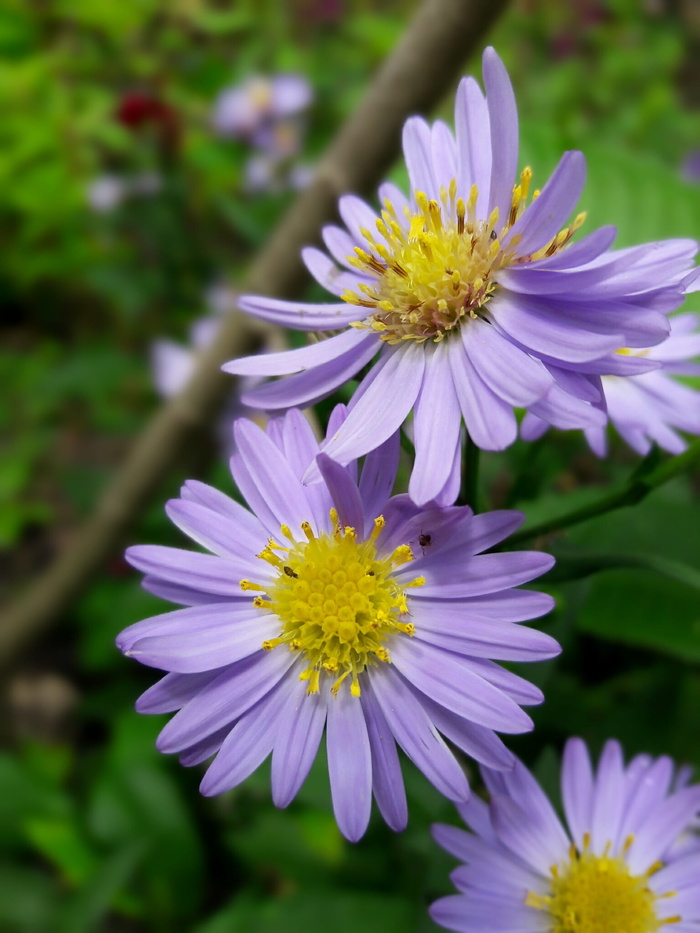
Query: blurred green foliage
x=97 y=830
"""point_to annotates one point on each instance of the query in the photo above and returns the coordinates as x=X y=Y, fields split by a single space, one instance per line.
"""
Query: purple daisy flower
x=474 y=296
x=612 y=869
x=335 y=607
x=652 y=407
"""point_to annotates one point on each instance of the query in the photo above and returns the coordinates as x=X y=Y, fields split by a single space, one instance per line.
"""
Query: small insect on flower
x=622 y=862
x=314 y=614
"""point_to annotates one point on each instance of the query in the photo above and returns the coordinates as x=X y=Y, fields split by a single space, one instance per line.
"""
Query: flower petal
x=222 y=700
x=349 y=764
x=577 y=789
x=473 y=143
x=298 y=314
x=442 y=676
x=387 y=780
x=436 y=424
x=299 y=729
x=381 y=410
x=416 y=734
x=344 y=493
x=508 y=371
x=503 y=125
x=248 y=743
x=490 y=421
x=308 y=387
x=297 y=361
x=546 y=216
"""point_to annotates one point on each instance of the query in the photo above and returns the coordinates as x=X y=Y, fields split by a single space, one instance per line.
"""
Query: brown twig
x=440 y=37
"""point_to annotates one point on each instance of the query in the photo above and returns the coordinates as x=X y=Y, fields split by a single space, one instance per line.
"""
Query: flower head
x=259 y=108
x=614 y=868
x=474 y=295
x=336 y=607
x=651 y=407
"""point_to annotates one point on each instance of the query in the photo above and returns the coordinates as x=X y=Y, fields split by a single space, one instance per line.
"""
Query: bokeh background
x=135 y=186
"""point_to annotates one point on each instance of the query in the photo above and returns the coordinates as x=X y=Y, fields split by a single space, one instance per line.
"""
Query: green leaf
x=63 y=844
x=644 y=609
x=344 y=912
x=137 y=800
x=653 y=602
x=27 y=900
x=23 y=796
x=89 y=906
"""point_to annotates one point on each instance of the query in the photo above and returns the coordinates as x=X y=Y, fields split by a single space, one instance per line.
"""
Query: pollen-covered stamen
x=336 y=600
x=597 y=894
x=437 y=268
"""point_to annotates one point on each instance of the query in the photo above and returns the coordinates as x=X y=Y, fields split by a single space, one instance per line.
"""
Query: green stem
x=581 y=564
x=470 y=479
x=640 y=485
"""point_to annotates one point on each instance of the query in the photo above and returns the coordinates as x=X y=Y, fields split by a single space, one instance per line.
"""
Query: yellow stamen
x=440 y=268
x=337 y=601
x=598 y=894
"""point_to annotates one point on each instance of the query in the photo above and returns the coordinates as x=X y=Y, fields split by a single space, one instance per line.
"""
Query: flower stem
x=641 y=483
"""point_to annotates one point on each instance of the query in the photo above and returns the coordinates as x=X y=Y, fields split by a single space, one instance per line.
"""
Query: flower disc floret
x=336 y=600
x=624 y=860
x=598 y=894
x=437 y=269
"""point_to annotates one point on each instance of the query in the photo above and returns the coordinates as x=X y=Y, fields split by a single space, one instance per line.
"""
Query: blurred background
x=146 y=151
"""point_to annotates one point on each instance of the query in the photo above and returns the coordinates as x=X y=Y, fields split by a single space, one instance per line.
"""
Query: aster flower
x=335 y=607
x=608 y=871
x=473 y=294
x=251 y=109
x=652 y=407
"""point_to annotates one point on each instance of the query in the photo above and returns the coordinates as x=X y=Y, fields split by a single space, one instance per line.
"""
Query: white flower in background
x=105 y=193
x=172 y=363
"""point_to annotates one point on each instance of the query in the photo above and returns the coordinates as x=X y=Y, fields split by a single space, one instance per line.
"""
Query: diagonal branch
x=436 y=43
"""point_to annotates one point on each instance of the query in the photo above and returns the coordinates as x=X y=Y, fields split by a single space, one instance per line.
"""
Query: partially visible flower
x=334 y=607
x=652 y=407
x=609 y=870
x=474 y=296
x=301 y=176
x=140 y=111
x=688 y=842
x=264 y=172
x=173 y=364
x=220 y=298
x=256 y=104
x=690 y=169
x=261 y=173
x=108 y=192
x=137 y=109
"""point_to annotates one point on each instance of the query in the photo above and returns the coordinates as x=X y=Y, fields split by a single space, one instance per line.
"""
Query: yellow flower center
x=336 y=600
x=436 y=274
x=597 y=894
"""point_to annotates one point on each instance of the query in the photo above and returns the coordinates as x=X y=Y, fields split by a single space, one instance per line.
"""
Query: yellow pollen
x=439 y=269
x=597 y=894
x=336 y=601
